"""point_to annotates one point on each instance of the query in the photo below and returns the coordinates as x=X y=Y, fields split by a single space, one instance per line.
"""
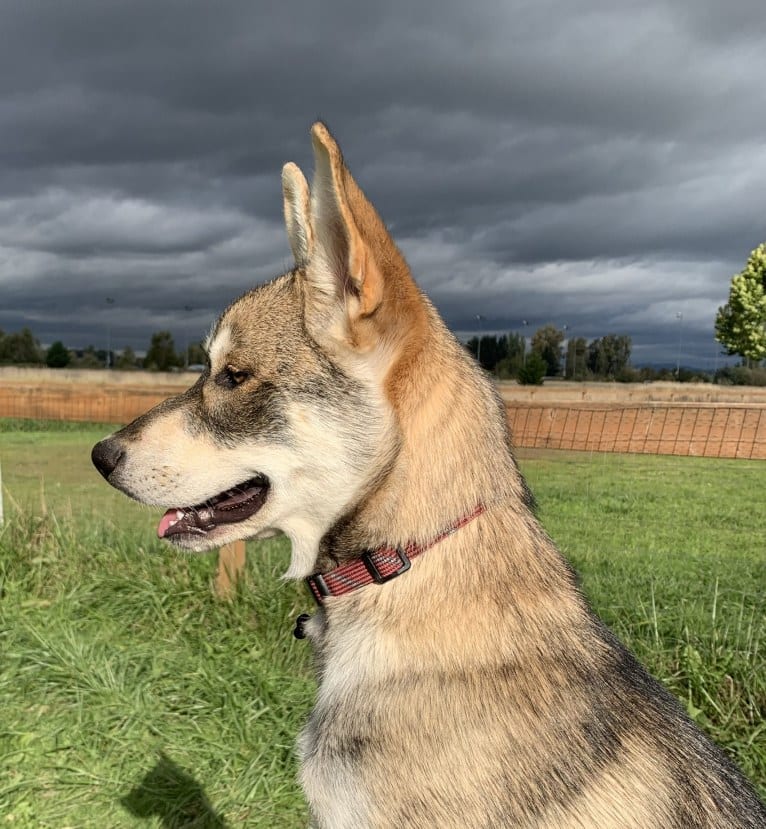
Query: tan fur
x=478 y=689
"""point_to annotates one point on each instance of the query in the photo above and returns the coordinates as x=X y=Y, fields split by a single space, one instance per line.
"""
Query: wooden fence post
x=231 y=562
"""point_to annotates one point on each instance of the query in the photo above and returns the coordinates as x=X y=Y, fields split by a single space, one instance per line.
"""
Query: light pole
x=478 y=318
x=524 y=354
x=188 y=309
x=680 y=318
x=565 y=328
x=108 y=361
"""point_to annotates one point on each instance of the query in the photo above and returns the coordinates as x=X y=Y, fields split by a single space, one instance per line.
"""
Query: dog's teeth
x=174 y=521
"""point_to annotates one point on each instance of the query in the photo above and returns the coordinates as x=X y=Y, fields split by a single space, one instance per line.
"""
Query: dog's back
x=481 y=691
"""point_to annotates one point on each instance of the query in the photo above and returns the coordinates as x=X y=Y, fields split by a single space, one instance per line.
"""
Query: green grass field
x=131 y=697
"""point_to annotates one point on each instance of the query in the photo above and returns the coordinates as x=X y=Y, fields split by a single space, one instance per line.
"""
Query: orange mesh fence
x=100 y=404
x=708 y=430
x=718 y=430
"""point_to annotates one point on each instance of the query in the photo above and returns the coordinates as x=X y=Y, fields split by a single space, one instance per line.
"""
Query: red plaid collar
x=377 y=566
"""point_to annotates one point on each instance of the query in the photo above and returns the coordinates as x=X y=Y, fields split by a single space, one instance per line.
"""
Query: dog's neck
x=485 y=594
x=448 y=412
x=379 y=565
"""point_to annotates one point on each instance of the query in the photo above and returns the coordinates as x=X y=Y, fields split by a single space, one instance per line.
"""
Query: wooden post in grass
x=231 y=562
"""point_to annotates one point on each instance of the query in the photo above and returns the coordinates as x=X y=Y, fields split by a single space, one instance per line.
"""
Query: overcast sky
x=595 y=164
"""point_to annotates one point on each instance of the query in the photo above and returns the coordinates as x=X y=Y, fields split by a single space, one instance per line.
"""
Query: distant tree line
x=22 y=348
x=604 y=358
x=507 y=356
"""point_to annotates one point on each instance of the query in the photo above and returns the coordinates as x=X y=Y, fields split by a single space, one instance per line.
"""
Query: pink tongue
x=165 y=522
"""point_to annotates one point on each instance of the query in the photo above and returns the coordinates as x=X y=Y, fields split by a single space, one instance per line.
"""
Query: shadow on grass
x=174 y=796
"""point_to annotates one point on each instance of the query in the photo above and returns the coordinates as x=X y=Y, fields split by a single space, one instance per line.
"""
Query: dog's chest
x=329 y=746
x=332 y=785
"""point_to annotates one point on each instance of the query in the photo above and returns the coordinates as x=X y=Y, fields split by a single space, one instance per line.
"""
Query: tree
x=546 y=342
x=510 y=365
x=608 y=356
x=57 y=356
x=88 y=358
x=195 y=354
x=740 y=325
x=576 y=362
x=533 y=370
x=488 y=350
x=161 y=355
x=20 y=347
x=127 y=360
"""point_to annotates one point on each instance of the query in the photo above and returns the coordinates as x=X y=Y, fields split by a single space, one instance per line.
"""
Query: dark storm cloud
x=577 y=162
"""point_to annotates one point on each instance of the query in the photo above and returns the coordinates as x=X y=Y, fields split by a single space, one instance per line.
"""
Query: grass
x=131 y=697
x=670 y=552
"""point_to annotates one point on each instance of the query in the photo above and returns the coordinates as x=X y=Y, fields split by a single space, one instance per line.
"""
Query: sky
x=594 y=164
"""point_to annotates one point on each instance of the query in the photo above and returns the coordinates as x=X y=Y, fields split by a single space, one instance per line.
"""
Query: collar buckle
x=318 y=588
x=384 y=557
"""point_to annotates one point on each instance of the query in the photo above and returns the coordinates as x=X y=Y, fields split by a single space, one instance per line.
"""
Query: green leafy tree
x=740 y=325
x=576 y=360
x=546 y=342
x=196 y=355
x=533 y=370
x=488 y=350
x=21 y=347
x=57 y=356
x=161 y=355
x=89 y=358
x=127 y=360
x=492 y=350
x=510 y=365
x=608 y=356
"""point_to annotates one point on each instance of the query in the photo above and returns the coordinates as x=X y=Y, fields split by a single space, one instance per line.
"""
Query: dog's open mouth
x=229 y=507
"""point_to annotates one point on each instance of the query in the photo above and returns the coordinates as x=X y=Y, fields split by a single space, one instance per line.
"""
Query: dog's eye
x=231 y=377
x=238 y=376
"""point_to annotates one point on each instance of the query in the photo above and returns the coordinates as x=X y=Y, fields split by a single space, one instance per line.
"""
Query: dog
x=463 y=680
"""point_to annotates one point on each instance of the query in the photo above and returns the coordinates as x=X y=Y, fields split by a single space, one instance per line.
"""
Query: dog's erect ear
x=344 y=264
x=359 y=291
x=297 y=206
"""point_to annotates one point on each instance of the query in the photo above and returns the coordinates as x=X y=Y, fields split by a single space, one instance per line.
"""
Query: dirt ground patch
x=557 y=392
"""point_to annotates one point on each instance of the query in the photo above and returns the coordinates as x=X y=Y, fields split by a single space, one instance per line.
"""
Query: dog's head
x=295 y=416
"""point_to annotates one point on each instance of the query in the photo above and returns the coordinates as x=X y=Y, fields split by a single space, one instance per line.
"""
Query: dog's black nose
x=106 y=455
